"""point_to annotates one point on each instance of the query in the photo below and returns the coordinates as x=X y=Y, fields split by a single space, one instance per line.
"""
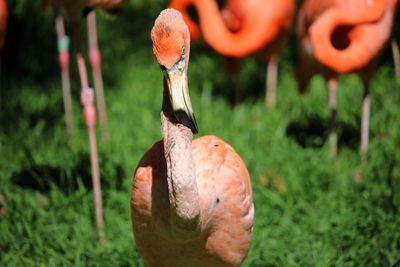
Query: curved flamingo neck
x=181 y=173
x=254 y=33
x=183 y=6
x=361 y=49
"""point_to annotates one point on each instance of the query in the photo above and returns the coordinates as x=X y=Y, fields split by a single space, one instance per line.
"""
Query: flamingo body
x=191 y=201
x=225 y=202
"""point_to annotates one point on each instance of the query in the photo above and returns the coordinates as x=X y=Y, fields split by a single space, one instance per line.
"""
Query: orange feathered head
x=171 y=38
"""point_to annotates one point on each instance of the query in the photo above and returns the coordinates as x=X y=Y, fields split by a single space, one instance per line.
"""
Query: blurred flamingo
x=73 y=9
x=191 y=202
x=338 y=37
x=243 y=28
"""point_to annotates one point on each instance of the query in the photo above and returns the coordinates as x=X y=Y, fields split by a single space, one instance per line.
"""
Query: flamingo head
x=171 y=38
x=171 y=44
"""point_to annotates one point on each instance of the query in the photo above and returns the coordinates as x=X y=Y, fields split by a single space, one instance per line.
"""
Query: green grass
x=309 y=209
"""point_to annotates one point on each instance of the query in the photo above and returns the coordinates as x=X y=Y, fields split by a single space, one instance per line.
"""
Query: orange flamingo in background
x=243 y=28
x=338 y=37
x=191 y=202
x=73 y=9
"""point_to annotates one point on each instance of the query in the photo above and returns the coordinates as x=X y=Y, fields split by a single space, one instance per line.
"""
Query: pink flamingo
x=73 y=9
x=191 y=201
x=244 y=28
x=338 y=37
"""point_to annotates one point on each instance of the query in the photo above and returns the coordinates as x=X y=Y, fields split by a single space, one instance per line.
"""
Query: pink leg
x=90 y=117
x=95 y=61
x=87 y=98
x=364 y=135
x=63 y=58
x=332 y=84
x=272 y=74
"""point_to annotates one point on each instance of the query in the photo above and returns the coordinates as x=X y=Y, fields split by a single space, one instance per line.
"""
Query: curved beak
x=178 y=90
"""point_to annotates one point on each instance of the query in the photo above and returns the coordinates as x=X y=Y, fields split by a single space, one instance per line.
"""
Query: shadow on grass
x=313 y=132
x=42 y=177
x=11 y=115
x=240 y=81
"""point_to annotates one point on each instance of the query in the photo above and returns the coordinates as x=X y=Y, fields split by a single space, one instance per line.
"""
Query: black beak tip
x=187 y=119
x=194 y=127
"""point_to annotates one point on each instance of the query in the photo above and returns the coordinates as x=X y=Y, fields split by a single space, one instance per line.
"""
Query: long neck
x=183 y=6
x=254 y=34
x=181 y=173
x=361 y=50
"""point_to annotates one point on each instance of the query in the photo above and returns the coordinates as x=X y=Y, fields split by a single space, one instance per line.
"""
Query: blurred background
x=310 y=210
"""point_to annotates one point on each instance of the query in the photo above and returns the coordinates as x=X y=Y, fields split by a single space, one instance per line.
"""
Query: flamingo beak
x=176 y=78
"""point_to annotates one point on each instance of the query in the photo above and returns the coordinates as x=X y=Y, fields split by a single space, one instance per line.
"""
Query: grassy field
x=310 y=210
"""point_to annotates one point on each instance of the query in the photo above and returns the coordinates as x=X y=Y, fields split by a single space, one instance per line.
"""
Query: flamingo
x=73 y=9
x=191 y=201
x=244 y=28
x=339 y=37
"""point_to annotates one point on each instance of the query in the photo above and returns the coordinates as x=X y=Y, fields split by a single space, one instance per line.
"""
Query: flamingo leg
x=95 y=61
x=272 y=74
x=87 y=98
x=63 y=59
x=233 y=67
x=364 y=135
x=332 y=86
x=396 y=57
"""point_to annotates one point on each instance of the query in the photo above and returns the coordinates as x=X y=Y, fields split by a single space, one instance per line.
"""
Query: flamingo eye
x=182 y=52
